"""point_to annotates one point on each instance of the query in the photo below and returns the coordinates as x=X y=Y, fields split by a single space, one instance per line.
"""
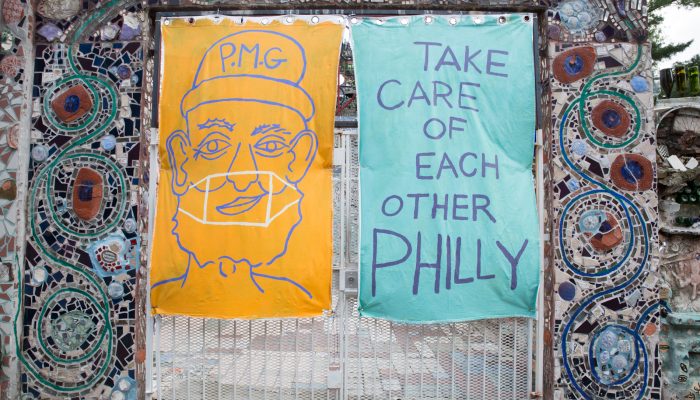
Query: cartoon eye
x=213 y=148
x=270 y=146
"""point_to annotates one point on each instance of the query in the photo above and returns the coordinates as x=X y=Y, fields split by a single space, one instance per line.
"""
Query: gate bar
x=345 y=226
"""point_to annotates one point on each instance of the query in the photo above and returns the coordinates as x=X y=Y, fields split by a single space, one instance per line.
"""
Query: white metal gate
x=340 y=355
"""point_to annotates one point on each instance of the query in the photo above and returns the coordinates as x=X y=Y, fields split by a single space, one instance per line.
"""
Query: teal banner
x=449 y=227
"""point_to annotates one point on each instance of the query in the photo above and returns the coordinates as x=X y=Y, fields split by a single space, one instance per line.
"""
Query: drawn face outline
x=284 y=149
x=238 y=142
x=220 y=138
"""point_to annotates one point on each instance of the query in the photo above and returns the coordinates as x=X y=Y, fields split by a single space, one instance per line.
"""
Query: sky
x=680 y=25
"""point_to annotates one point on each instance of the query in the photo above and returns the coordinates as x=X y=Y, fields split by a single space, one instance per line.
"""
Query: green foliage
x=693 y=61
x=661 y=50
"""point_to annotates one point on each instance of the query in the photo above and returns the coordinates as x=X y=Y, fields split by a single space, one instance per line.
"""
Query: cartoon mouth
x=239 y=205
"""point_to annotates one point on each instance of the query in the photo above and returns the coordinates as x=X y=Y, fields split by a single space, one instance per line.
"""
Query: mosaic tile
x=13 y=110
x=605 y=227
x=79 y=310
x=598 y=21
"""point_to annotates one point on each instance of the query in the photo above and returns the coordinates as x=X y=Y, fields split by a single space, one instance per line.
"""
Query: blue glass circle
x=639 y=84
x=71 y=104
x=124 y=72
x=614 y=354
x=573 y=64
x=632 y=171
x=108 y=142
x=611 y=118
x=567 y=291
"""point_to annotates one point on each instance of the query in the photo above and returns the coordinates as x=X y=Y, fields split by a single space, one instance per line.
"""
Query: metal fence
x=340 y=355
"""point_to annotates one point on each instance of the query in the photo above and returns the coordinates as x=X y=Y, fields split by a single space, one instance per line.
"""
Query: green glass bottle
x=680 y=88
x=694 y=80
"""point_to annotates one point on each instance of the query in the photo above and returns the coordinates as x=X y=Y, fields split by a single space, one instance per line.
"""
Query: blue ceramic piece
x=579 y=148
x=71 y=104
x=614 y=354
x=49 y=31
x=632 y=172
x=591 y=221
x=611 y=118
x=115 y=290
x=123 y=72
x=40 y=153
x=639 y=84
x=573 y=64
x=124 y=389
x=567 y=291
x=578 y=16
x=600 y=36
x=108 y=142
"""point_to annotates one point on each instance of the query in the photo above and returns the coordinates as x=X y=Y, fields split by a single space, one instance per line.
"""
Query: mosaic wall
x=14 y=99
x=607 y=302
x=678 y=134
x=81 y=330
x=82 y=245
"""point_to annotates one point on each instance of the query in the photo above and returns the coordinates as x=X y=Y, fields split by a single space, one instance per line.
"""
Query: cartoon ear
x=303 y=147
x=177 y=145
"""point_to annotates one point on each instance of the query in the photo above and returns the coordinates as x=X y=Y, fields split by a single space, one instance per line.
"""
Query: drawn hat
x=252 y=65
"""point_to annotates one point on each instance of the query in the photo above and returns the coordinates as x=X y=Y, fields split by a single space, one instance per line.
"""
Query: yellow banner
x=244 y=217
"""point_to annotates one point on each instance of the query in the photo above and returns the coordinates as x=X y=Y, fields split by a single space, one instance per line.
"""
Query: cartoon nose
x=244 y=165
